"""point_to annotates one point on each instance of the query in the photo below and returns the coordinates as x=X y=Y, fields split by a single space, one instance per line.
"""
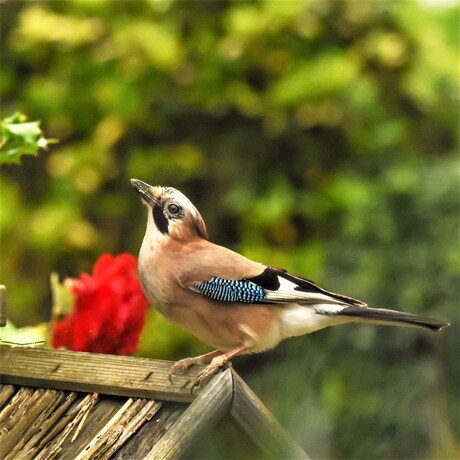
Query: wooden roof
x=64 y=404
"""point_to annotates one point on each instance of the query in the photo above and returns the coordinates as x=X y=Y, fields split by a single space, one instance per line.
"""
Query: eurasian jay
x=228 y=301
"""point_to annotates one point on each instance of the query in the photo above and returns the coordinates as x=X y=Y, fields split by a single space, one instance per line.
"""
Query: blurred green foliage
x=318 y=135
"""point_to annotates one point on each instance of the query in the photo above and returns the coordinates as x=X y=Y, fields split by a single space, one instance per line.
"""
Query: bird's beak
x=144 y=191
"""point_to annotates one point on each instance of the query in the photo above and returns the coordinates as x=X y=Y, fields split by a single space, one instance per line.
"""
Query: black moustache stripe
x=160 y=220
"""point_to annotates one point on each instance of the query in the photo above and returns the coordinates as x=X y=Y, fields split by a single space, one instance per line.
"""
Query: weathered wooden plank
x=15 y=403
x=150 y=432
x=9 y=431
x=211 y=405
x=63 y=417
x=128 y=427
x=6 y=392
x=47 y=430
x=100 y=438
x=48 y=401
x=255 y=419
x=21 y=416
x=99 y=416
x=91 y=372
x=141 y=378
x=119 y=428
x=54 y=448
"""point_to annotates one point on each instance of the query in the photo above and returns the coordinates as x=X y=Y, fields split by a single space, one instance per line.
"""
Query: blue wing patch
x=231 y=290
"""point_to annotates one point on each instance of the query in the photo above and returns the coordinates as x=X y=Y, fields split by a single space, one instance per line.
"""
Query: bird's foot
x=216 y=358
x=181 y=366
x=209 y=371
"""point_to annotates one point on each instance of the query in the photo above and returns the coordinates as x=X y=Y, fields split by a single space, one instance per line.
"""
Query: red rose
x=108 y=312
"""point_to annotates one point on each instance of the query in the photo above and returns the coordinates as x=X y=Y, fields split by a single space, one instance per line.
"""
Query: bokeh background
x=320 y=136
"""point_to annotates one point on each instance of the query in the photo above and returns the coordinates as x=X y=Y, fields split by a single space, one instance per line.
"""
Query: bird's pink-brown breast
x=168 y=276
x=227 y=325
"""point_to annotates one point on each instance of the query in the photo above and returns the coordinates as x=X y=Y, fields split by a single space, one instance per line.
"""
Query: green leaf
x=20 y=137
x=62 y=297
x=24 y=336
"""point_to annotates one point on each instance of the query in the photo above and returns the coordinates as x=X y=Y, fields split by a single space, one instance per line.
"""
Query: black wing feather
x=269 y=279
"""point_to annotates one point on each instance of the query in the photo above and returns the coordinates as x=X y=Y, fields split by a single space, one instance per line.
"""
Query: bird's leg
x=181 y=366
x=216 y=363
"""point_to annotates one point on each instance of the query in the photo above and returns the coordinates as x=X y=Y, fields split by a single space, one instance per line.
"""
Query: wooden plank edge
x=209 y=407
x=92 y=372
x=251 y=415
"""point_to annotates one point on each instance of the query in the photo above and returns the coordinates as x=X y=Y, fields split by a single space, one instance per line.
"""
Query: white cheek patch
x=301 y=319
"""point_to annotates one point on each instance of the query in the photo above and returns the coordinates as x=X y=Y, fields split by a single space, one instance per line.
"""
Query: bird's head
x=171 y=214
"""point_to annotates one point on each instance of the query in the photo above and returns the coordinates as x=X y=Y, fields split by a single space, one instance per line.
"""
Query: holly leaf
x=20 y=137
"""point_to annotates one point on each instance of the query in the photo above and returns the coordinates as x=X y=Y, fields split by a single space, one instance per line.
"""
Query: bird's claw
x=181 y=367
x=205 y=375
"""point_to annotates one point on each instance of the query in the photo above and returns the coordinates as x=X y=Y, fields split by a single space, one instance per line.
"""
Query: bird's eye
x=174 y=209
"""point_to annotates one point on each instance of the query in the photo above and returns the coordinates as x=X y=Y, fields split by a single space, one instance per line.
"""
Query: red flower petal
x=109 y=309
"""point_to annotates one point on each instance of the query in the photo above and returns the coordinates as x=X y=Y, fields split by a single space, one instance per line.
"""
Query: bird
x=236 y=305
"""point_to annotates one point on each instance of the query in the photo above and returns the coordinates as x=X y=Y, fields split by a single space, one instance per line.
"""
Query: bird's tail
x=392 y=317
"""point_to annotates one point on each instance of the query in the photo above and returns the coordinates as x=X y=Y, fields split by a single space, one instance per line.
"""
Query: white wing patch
x=287 y=292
